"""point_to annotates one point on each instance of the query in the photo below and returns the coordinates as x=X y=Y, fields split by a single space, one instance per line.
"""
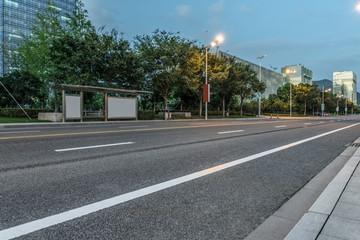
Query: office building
x=16 y=19
x=272 y=79
x=345 y=84
x=297 y=74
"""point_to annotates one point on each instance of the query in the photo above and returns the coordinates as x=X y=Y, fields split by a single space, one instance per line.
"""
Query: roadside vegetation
x=170 y=66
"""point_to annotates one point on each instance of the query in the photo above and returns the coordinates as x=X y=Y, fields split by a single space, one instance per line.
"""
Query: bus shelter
x=113 y=107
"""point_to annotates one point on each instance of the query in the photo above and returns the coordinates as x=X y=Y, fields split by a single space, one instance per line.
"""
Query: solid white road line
x=282 y=126
x=236 y=131
x=97 y=146
x=20 y=132
x=46 y=222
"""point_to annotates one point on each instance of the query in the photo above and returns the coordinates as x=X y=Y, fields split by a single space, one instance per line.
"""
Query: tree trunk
x=200 y=108
x=56 y=102
x=223 y=107
x=241 y=107
x=305 y=109
x=154 y=105
x=165 y=101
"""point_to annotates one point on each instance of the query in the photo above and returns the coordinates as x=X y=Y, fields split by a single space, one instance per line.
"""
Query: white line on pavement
x=236 y=131
x=20 y=132
x=282 y=126
x=307 y=123
x=97 y=146
x=46 y=222
x=322 y=122
x=133 y=126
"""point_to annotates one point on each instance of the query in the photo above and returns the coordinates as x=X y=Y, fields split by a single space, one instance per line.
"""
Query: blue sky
x=322 y=35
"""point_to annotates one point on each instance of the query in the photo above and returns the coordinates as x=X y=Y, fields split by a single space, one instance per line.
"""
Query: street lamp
x=357 y=6
x=260 y=57
x=288 y=71
x=219 y=39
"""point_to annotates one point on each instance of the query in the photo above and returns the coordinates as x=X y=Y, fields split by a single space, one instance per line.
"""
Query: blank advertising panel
x=73 y=109
x=121 y=107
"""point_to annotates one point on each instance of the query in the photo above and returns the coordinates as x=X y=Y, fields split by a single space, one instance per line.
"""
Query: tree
x=23 y=86
x=223 y=77
x=248 y=84
x=304 y=94
x=163 y=54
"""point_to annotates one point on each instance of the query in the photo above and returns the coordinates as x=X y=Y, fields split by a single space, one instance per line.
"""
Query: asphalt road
x=165 y=180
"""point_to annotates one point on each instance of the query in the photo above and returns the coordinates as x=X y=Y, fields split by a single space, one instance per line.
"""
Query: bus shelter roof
x=68 y=87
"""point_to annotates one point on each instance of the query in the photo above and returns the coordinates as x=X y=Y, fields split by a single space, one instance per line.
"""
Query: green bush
x=146 y=115
x=18 y=113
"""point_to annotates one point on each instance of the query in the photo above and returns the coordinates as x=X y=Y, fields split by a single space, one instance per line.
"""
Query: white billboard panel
x=72 y=109
x=122 y=107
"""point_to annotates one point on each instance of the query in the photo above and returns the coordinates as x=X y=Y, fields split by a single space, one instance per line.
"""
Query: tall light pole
x=260 y=57
x=219 y=39
x=288 y=71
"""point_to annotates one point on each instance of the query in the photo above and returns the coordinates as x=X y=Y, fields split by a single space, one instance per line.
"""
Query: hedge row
x=18 y=113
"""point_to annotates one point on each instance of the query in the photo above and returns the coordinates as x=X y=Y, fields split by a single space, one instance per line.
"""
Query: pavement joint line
x=26 y=228
x=129 y=130
x=95 y=146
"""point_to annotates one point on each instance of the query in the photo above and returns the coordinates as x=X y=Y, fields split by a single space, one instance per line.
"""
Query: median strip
x=96 y=146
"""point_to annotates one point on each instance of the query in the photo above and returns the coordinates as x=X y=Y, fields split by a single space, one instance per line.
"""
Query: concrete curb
x=281 y=224
x=312 y=223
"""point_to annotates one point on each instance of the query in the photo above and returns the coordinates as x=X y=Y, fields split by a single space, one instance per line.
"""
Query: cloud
x=99 y=13
x=215 y=13
x=245 y=9
x=184 y=10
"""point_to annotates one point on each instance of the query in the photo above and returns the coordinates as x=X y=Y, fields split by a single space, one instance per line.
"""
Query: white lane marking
x=97 y=146
x=322 y=122
x=282 y=126
x=307 y=123
x=332 y=121
x=194 y=124
x=134 y=126
x=39 y=224
x=20 y=132
x=236 y=131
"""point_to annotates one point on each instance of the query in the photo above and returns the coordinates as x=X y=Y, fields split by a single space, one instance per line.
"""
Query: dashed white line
x=307 y=123
x=236 y=131
x=134 y=126
x=46 y=222
x=96 y=146
x=282 y=126
x=322 y=122
x=19 y=132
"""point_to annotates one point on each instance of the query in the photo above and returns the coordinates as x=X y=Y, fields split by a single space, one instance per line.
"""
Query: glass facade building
x=272 y=79
x=16 y=19
x=300 y=74
x=345 y=84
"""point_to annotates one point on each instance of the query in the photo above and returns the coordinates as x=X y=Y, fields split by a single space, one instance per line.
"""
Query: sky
x=322 y=35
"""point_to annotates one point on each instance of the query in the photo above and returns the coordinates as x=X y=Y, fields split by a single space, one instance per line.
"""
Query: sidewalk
x=336 y=213
x=328 y=207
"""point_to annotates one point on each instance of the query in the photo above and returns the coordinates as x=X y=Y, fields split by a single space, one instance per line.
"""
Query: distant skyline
x=322 y=35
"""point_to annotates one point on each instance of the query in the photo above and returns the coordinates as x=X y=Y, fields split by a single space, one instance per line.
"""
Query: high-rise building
x=297 y=74
x=16 y=18
x=345 y=85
